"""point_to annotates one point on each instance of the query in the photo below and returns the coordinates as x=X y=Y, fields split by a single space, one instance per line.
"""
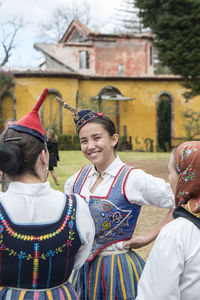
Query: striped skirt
x=62 y=292
x=110 y=277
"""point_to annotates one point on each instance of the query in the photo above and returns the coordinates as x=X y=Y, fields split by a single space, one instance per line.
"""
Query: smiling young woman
x=97 y=144
x=114 y=193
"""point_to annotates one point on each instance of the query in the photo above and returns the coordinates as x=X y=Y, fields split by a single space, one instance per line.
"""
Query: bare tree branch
x=9 y=31
x=53 y=29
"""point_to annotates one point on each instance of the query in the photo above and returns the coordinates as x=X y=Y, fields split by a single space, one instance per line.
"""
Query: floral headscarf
x=187 y=163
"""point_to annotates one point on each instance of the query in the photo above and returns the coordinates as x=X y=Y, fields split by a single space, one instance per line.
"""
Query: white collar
x=31 y=189
x=112 y=169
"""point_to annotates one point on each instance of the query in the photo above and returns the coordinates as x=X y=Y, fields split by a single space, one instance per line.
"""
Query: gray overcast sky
x=35 y=11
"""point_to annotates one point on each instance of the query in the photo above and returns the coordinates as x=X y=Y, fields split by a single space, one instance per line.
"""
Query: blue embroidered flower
x=188 y=149
x=50 y=253
x=188 y=174
x=71 y=224
x=1 y=228
x=21 y=255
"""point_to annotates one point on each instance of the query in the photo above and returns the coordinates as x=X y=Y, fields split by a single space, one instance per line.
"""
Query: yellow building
x=132 y=102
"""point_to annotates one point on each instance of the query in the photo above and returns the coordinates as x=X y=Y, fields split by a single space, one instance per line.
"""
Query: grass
x=71 y=161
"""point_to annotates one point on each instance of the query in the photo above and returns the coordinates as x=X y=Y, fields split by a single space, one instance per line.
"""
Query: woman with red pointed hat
x=115 y=193
x=44 y=233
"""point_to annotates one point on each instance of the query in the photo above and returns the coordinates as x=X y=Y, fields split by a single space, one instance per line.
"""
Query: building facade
x=110 y=73
x=135 y=109
x=92 y=53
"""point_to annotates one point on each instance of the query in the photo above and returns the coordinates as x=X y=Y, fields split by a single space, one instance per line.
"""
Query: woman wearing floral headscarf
x=172 y=269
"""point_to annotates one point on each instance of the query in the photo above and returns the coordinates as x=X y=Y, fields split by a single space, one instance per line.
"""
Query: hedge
x=71 y=142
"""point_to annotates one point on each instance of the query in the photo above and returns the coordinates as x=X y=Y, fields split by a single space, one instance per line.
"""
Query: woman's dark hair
x=19 y=152
x=107 y=124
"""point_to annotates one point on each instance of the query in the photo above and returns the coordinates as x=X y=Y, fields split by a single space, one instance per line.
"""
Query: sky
x=33 y=13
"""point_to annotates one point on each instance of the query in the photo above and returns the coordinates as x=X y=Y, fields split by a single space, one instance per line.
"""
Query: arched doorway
x=111 y=93
x=164 y=121
x=51 y=111
x=7 y=107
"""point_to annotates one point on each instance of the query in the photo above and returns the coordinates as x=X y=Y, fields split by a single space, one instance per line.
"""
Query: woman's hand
x=137 y=242
x=140 y=241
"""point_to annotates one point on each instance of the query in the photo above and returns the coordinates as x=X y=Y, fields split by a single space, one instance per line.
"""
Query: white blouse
x=141 y=188
x=40 y=204
x=172 y=269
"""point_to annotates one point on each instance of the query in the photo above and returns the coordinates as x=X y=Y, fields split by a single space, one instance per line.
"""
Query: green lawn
x=71 y=161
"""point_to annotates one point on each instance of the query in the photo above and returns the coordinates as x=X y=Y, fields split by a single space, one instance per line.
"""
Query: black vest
x=38 y=256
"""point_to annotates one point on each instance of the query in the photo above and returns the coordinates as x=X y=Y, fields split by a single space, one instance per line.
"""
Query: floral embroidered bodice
x=114 y=217
x=38 y=256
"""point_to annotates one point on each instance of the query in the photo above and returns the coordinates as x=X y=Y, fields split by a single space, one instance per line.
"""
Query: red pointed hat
x=31 y=122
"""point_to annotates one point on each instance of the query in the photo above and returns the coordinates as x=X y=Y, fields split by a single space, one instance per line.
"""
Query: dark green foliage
x=65 y=142
x=121 y=143
x=164 y=124
x=71 y=142
x=148 y=144
x=68 y=142
x=76 y=144
x=176 y=25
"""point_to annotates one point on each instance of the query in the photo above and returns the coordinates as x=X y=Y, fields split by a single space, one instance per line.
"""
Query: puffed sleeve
x=161 y=275
x=68 y=187
x=86 y=229
x=145 y=189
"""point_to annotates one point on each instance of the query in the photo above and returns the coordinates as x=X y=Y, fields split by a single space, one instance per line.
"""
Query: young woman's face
x=173 y=175
x=97 y=145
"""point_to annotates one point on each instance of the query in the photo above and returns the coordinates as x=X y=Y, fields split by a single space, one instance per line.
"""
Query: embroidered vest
x=38 y=256
x=114 y=216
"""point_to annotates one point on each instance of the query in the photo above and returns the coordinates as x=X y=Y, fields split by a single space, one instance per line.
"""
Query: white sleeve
x=145 y=189
x=68 y=187
x=161 y=275
x=86 y=229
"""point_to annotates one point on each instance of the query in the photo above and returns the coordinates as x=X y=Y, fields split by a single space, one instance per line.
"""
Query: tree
x=191 y=124
x=127 y=17
x=164 y=124
x=53 y=29
x=176 y=25
x=9 y=31
x=6 y=81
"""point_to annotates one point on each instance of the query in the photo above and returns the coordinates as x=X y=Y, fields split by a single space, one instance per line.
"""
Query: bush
x=121 y=143
x=71 y=142
x=65 y=142
x=148 y=144
x=68 y=142
x=76 y=144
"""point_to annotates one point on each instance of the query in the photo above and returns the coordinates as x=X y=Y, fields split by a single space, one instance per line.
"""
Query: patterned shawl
x=187 y=163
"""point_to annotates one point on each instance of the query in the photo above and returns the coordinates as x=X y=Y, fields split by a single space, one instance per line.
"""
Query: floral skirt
x=62 y=292
x=109 y=277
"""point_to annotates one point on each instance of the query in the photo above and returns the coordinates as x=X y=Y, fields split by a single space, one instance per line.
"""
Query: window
x=120 y=69
x=84 y=60
x=151 y=55
x=76 y=37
